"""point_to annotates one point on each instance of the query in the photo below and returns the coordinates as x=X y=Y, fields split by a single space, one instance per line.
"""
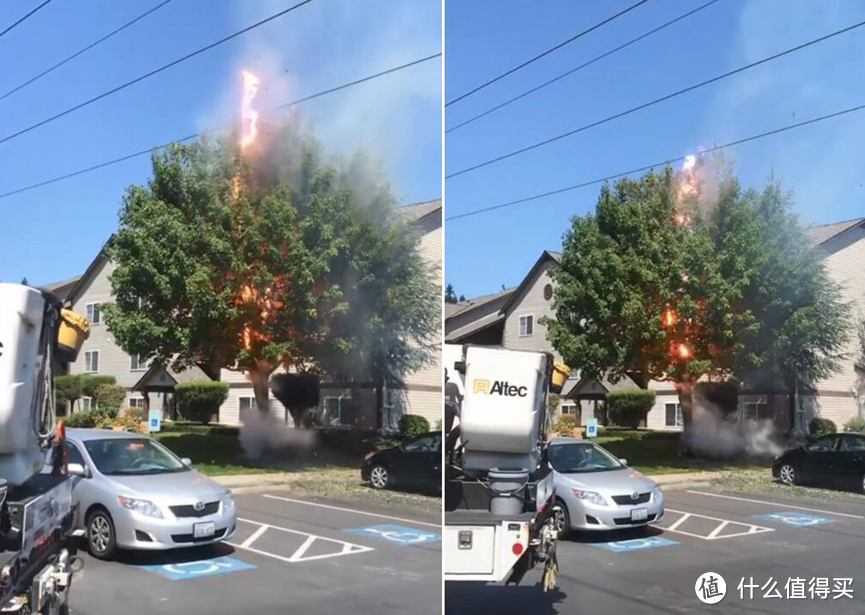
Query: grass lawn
x=656 y=452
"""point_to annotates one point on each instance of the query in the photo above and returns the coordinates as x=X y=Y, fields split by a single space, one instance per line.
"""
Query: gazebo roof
x=160 y=378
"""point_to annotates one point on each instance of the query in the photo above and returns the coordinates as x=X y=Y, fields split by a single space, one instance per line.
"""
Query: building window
x=94 y=313
x=527 y=325
x=569 y=408
x=755 y=411
x=674 y=416
x=136 y=402
x=91 y=361
x=87 y=404
x=137 y=363
x=548 y=292
x=337 y=411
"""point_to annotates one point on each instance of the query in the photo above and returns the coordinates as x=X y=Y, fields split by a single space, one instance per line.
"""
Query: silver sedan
x=134 y=493
x=597 y=491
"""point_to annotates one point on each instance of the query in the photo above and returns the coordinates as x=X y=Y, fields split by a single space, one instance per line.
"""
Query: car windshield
x=581 y=457
x=115 y=456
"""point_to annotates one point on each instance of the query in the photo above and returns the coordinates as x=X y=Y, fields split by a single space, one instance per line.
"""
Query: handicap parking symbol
x=198 y=568
x=635 y=544
x=398 y=534
x=796 y=519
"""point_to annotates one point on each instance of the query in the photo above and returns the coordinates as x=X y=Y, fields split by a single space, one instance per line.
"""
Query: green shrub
x=109 y=398
x=199 y=428
x=68 y=389
x=134 y=414
x=629 y=408
x=88 y=419
x=564 y=423
x=199 y=400
x=411 y=425
x=821 y=427
x=89 y=383
x=857 y=423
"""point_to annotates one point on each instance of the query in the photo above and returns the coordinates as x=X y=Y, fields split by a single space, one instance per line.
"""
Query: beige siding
x=845 y=264
x=424 y=394
x=531 y=301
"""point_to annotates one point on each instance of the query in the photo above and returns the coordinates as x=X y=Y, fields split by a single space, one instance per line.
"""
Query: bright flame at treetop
x=248 y=115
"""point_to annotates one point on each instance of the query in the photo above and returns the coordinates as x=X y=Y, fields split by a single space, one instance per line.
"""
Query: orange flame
x=684 y=351
x=669 y=317
x=248 y=115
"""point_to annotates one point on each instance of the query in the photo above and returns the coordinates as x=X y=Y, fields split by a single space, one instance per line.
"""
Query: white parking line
x=351 y=510
x=299 y=554
x=780 y=505
x=715 y=534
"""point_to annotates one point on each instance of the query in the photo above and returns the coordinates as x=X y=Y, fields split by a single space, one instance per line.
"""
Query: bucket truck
x=37 y=556
x=499 y=486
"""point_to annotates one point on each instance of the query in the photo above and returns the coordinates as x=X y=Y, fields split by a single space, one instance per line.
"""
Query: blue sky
x=54 y=232
x=821 y=164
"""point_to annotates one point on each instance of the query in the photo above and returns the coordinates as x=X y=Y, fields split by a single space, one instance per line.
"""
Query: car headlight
x=589 y=496
x=144 y=507
x=227 y=501
x=657 y=494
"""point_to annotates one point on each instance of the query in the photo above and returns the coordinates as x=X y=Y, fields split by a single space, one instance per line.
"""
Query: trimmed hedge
x=109 y=398
x=88 y=419
x=411 y=425
x=89 y=383
x=199 y=400
x=564 y=423
x=630 y=407
x=68 y=388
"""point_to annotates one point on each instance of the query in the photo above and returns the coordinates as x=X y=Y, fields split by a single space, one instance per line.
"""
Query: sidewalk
x=691 y=480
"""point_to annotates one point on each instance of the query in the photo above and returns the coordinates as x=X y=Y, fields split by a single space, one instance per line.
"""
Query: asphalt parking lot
x=759 y=537
x=289 y=555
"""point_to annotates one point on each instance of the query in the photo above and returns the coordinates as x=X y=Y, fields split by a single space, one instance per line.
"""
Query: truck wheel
x=101 y=539
x=379 y=477
x=562 y=519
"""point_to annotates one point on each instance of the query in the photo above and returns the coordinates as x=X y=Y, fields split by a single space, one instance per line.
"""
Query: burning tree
x=676 y=276
x=250 y=252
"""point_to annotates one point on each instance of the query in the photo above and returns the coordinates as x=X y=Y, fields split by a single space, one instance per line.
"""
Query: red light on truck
x=517 y=548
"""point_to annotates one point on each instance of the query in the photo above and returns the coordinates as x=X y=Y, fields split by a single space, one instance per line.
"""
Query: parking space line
x=299 y=554
x=351 y=510
x=254 y=536
x=715 y=534
x=781 y=505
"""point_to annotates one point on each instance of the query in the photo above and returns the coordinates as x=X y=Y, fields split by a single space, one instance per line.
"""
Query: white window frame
x=88 y=355
x=140 y=368
x=569 y=408
x=87 y=404
x=92 y=309
x=680 y=417
x=760 y=408
x=530 y=318
x=136 y=402
x=253 y=405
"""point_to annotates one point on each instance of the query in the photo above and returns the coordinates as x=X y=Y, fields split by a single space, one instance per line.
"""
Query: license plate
x=639 y=514
x=203 y=530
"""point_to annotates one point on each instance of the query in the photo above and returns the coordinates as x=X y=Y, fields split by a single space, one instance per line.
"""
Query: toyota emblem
x=634 y=496
x=198 y=506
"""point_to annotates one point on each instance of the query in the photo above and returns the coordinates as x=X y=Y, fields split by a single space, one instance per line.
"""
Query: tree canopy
x=278 y=257
x=720 y=281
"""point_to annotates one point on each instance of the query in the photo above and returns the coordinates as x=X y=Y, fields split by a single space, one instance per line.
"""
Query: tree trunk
x=260 y=377
x=685 y=389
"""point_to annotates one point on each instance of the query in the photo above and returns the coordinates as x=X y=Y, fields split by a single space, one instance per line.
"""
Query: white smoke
x=715 y=436
x=265 y=434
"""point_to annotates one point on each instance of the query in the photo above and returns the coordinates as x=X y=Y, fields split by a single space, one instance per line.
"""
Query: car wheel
x=787 y=474
x=562 y=519
x=101 y=539
x=379 y=477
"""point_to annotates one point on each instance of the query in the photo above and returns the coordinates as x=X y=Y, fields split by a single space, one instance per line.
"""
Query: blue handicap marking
x=199 y=568
x=398 y=534
x=796 y=519
x=635 y=544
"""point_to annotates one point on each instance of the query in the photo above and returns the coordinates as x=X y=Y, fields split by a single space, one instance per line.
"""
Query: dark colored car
x=836 y=460
x=416 y=462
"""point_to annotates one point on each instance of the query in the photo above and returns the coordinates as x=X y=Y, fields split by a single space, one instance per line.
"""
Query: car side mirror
x=623 y=461
x=186 y=461
x=77 y=469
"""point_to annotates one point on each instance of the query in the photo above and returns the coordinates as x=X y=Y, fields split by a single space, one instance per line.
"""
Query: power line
x=150 y=150
x=656 y=101
x=647 y=167
x=7 y=30
x=581 y=66
x=154 y=72
x=545 y=53
x=87 y=48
